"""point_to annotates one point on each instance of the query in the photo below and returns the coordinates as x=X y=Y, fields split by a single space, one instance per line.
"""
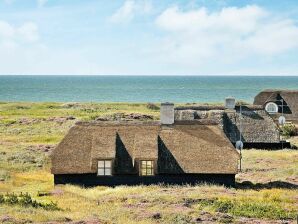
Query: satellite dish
x=239 y=145
x=281 y=120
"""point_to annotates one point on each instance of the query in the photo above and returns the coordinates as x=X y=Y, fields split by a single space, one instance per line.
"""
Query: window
x=147 y=168
x=271 y=108
x=104 y=168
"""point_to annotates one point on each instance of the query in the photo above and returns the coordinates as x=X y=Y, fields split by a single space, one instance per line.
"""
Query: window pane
x=108 y=164
x=100 y=172
x=147 y=167
x=143 y=172
x=108 y=172
x=101 y=164
x=271 y=108
x=149 y=172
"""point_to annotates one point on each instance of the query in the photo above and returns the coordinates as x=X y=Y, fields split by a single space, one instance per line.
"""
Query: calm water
x=137 y=88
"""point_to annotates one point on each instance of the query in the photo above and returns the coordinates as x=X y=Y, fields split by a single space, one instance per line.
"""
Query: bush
x=288 y=130
x=50 y=206
x=262 y=210
x=247 y=208
x=152 y=106
x=26 y=200
x=223 y=206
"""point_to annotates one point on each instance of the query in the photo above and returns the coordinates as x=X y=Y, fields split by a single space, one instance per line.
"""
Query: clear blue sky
x=149 y=37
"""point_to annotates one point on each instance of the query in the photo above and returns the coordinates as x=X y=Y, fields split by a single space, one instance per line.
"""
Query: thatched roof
x=290 y=98
x=256 y=126
x=179 y=148
x=213 y=107
x=200 y=107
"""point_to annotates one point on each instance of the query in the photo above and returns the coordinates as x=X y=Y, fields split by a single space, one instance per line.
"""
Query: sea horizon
x=146 y=75
x=134 y=88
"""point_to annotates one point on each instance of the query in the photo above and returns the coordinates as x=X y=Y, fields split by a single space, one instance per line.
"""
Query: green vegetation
x=288 y=130
x=12 y=111
x=262 y=208
x=267 y=185
x=25 y=200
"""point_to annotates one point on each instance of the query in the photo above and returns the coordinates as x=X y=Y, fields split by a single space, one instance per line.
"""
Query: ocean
x=138 y=88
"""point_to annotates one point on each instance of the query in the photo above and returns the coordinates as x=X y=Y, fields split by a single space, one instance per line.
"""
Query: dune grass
x=11 y=111
x=25 y=128
x=261 y=166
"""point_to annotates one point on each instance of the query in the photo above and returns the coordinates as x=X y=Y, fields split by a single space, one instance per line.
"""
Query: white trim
x=271 y=108
x=104 y=167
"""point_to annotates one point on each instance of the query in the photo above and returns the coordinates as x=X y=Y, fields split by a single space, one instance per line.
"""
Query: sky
x=149 y=37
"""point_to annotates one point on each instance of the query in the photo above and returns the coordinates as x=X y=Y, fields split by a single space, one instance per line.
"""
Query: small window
x=104 y=168
x=147 y=168
x=271 y=108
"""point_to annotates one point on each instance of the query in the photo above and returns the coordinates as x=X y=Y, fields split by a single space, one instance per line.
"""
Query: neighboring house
x=258 y=130
x=129 y=153
x=278 y=102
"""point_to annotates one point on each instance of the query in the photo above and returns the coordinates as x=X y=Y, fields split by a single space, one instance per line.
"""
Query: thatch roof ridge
x=144 y=123
x=118 y=123
x=200 y=107
x=250 y=107
x=197 y=122
x=270 y=94
x=216 y=107
x=280 y=90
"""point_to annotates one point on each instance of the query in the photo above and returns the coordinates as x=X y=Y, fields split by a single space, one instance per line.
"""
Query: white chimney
x=230 y=103
x=167 y=113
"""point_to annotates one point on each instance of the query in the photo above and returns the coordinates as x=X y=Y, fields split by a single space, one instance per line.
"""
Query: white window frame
x=104 y=167
x=271 y=104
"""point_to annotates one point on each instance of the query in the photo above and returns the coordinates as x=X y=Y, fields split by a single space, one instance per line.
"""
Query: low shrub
x=25 y=200
x=152 y=106
x=20 y=107
x=256 y=209
x=223 y=206
x=288 y=130
x=181 y=219
x=11 y=199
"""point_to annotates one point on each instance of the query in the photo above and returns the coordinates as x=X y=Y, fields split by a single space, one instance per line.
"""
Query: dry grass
x=294 y=140
x=23 y=170
x=262 y=166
